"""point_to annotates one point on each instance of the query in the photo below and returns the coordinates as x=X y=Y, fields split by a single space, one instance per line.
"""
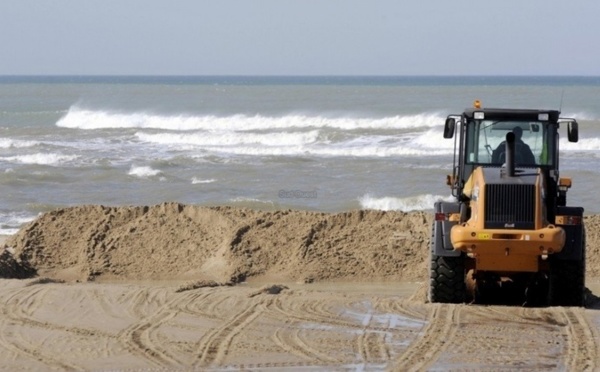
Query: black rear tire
x=567 y=280
x=567 y=283
x=447 y=279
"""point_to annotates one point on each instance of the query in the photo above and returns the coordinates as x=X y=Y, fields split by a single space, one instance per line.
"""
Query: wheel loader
x=508 y=236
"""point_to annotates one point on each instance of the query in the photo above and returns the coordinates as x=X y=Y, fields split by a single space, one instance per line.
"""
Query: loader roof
x=516 y=114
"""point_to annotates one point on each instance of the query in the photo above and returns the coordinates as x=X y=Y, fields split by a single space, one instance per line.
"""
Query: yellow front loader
x=509 y=236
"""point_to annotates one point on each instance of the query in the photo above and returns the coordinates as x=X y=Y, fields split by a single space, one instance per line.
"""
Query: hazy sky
x=303 y=37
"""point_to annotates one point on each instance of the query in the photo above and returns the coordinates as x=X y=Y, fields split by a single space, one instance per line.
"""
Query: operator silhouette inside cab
x=523 y=154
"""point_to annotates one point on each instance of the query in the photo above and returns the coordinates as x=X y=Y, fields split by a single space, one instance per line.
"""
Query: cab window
x=485 y=142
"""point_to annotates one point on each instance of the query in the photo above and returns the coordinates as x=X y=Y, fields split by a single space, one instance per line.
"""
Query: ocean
x=316 y=143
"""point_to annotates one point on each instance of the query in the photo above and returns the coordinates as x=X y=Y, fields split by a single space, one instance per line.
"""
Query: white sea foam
x=7 y=143
x=325 y=151
x=584 y=144
x=40 y=159
x=287 y=135
x=376 y=151
x=11 y=222
x=6 y=230
x=434 y=140
x=196 y=181
x=251 y=202
x=389 y=203
x=230 y=138
x=302 y=143
x=143 y=171
x=79 y=118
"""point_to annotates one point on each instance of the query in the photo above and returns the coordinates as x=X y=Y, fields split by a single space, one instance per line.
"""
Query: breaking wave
x=40 y=159
x=10 y=222
x=584 y=144
x=79 y=118
x=413 y=203
x=143 y=171
x=196 y=180
x=7 y=143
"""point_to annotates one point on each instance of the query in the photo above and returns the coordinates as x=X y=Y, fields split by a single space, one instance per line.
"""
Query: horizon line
x=295 y=75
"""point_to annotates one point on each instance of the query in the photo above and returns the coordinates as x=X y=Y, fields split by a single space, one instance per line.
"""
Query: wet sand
x=257 y=326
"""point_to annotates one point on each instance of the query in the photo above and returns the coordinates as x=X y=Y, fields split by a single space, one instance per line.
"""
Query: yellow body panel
x=505 y=249
x=500 y=263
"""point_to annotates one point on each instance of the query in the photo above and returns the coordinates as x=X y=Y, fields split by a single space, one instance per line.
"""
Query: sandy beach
x=180 y=287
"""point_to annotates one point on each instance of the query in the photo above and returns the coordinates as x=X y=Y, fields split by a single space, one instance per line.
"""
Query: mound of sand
x=229 y=245
x=224 y=244
x=11 y=268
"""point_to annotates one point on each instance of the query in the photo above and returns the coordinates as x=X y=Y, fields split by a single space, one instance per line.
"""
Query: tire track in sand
x=366 y=332
x=372 y=346
x=507 y=338
x=142 y=337
x=582 y=349
x=289 y=337
x=16 y=317
x=215 y=345
x=581 y=352
x=307 y=317
x=371 y=343
x=437 y=335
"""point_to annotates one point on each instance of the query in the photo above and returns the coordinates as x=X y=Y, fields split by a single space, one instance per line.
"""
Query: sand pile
x=11 y=268
x=224 y=244
x=229 y=245
x=592 y=232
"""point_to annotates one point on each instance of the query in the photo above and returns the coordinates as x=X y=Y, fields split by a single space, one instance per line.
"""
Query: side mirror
x=573 y=131
x=449 y=127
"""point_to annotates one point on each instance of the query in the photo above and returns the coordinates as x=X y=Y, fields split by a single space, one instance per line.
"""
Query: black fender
x=440 y=236
x=574 y=249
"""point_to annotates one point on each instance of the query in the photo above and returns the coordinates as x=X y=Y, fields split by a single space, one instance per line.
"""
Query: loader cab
x=481 y=135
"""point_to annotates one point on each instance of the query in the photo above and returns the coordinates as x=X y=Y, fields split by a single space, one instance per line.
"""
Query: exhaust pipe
x=510 y=154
